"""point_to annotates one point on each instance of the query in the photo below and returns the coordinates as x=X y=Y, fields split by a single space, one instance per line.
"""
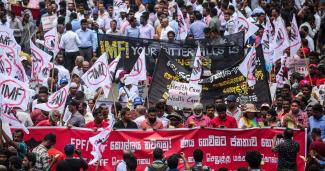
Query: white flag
x=182 y=28
x=56 y=101
x=280 y=40
x=266 y=41
x=112 y=66
x=119 y=6
x=12 y=49
x=247 y=67
x=9 y=118
x=40 y=60
x=197 y=67
x=139 y=70
x=295 y=39
x=51 y=41
x=14 y=93
x=7 y=67
x=244 y=25
x=98 y=76
x=96 y=141
x=280 y=77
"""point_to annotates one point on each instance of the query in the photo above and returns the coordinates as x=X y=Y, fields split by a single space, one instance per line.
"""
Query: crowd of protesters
x=295 y=106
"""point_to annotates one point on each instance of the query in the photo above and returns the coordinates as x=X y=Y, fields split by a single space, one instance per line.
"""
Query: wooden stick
x=97 y=166
x=99 y=93
x=146 y=82
x=114 y=100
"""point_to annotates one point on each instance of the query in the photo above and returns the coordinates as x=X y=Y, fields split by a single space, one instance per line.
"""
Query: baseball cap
x=231 y=98
x=137 y=101
x=64 y=81
x=265 y=105
x=69 y=148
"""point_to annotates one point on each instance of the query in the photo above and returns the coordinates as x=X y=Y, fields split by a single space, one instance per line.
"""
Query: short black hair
x=288 y=133
x=73 y=15
x=68 y=26
x=296 y=101
x=15 y=161
x=172 y=162
x=96 y=112
x=210 y=106
x=75 y=103
x=131 y=163
x=318 y=108
x=83 y=21
x=316 y=131
x=43 y=89
x=222 y=169
x=171 y=32
x=50 y=137
x=158 y=154
x=31 y=157
x=160 y=105
x=253 y=158
x=80 y=95
x=198 y=155
x=152 y=109
x=21 y=132
x=221 y=108
x=124 y=110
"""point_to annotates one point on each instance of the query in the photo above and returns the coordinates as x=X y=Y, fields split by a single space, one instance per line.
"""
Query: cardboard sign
x=48 y=22
x=183 y=94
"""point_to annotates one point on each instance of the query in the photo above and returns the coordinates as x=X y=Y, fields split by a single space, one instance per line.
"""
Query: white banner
x=14 y=93
x=56 y=101
x=266 y=42
x=48 y=22
x=280 y=40
x=183 y=94
x=98 y=76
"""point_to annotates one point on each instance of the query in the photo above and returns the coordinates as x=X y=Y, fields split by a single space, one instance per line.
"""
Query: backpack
x=157 y=167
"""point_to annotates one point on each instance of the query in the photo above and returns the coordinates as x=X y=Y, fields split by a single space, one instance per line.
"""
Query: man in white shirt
x=165 y=29
x=128 y=92
x=146 y=30
x=69 y=43
x=63 y=72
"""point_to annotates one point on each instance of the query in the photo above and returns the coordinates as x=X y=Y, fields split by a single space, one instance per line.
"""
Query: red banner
x=222 y=147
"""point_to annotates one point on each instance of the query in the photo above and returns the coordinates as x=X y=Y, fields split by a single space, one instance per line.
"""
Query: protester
x=71 y=163
x=125 y=122
x=54 y=118
x=198 y=158
x=29 y=162
x=17 y=142
x=98 y=121
x=198 y=119
x=250 y=118
x=223 y=120
x=254 y=159
x=151 y=122
x=76 y=119
x=287 y=150
x=158 y=163
x=42 y=157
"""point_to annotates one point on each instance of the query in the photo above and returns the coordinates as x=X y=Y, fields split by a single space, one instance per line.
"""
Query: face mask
x=152 y=120
x=198 y=115
x=4 y=21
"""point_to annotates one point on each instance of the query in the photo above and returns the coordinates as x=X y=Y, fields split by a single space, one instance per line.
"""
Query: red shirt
x=229 y=122
x=92 y=124
x=53 y=152
x=146 y=125
x=318 y=146
x=37 y=116
x=44 y=123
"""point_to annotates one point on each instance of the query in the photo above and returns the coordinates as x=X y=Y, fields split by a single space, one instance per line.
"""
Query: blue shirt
x=320 y=123
x=87 y=38
x=75 y=25
x=132 y=32
x=197 y=29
